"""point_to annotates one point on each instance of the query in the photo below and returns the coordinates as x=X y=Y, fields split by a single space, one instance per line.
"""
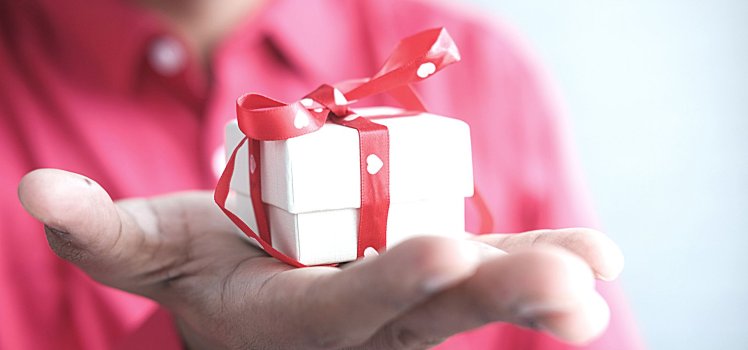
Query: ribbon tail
x=407 y=97
x=220 y=196
x=255 y=189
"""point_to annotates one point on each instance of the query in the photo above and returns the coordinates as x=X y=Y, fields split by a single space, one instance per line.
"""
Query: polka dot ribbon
x=263 y=119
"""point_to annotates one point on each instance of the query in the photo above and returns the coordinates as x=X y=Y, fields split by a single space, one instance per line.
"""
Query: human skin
x=202 y=24
x=182 y=252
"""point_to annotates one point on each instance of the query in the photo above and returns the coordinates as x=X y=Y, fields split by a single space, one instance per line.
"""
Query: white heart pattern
x=351 y=117
x=426 y=69
x=306 y=102
x=252 y=164
x=370 y=252
x=373 y=164
x=301 y=120
x=340 y=99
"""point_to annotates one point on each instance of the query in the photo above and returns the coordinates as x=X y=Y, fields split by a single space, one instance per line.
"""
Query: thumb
x=116 y=244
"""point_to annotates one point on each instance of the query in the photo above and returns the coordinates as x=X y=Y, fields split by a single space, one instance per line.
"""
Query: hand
x=181 y=251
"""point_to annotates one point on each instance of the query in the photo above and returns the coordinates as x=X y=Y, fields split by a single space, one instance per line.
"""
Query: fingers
x=594 y=247
x=131 y=245
x=578 y=323
x=346 y=307
x=543 y=287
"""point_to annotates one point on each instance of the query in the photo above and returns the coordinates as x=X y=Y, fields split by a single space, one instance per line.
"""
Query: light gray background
x=657 y=92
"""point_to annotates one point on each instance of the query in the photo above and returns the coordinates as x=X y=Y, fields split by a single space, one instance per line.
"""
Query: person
x=134 y=94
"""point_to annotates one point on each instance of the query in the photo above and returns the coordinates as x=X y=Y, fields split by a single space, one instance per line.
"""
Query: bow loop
x=414 y=59
x=263 y=119
x=433 y=45
x=331 y=99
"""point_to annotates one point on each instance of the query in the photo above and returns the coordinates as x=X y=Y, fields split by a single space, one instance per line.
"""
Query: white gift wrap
x=311 y=184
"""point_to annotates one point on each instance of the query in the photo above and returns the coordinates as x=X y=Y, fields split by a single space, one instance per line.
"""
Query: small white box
x=311 y=184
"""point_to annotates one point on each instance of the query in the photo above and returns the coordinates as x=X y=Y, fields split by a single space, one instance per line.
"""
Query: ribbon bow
x=263 y=119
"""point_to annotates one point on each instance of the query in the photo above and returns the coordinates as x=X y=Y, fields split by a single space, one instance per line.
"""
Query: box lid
x=430 y=157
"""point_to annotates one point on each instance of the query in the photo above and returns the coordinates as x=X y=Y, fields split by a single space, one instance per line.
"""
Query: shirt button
x=167 y=56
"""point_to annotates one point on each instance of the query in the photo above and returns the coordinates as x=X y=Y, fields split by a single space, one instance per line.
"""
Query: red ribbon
x=263 y=119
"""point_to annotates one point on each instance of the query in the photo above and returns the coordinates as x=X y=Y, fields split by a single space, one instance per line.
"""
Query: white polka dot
x=167 y=56
x=426 y=69
x=319 y=109
x=307 y=102
x=370 y=252
x=340 y=99
x=373 y=164
x=301 y=120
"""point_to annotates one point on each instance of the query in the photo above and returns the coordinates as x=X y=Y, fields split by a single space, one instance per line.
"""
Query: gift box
x=311 y=184
x=317 y=181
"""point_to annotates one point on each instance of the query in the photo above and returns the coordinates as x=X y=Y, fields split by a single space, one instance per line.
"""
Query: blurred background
x=657 y=94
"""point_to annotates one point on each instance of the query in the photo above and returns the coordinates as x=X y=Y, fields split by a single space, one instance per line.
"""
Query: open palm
x=181 y=251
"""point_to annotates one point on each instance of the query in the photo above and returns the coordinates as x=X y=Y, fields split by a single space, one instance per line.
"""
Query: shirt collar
x=314 y=39
x=113 y=37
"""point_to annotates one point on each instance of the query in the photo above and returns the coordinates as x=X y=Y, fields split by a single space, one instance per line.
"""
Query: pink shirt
x=104 y=89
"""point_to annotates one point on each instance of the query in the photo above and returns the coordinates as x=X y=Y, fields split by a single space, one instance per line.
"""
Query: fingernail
x=604 y=277
x=469 y=255
x=532 y=315
x=439 y=283
x=486 y=251
x=613 y=267
x=56 y=232
x=535 y=311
